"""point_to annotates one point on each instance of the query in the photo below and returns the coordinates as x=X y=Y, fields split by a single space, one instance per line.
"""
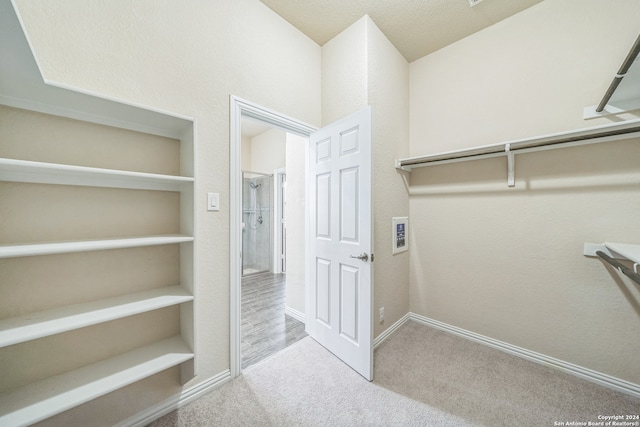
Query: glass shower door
x=256 y=223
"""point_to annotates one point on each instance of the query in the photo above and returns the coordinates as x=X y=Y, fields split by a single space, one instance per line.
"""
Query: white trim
x=298 y=315
x=569 y=368
x=390 y=330
x=277 y=224
x=579 y=371
x=163 y=408
x=239 y=108
x=52 y=248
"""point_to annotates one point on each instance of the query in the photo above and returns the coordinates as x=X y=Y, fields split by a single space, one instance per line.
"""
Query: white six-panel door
x=339 y=296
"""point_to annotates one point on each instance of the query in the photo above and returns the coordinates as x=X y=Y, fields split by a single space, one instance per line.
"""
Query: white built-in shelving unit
x=22 y=87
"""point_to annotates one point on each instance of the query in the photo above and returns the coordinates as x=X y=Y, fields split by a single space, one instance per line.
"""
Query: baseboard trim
x=390 y=331
x=298 y=315
x=579 y=371
x=163 y=408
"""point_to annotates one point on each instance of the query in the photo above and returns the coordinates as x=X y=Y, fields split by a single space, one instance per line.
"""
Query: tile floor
x=266 y=329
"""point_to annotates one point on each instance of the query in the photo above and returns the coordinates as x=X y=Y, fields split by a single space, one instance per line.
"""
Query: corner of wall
x=388 y=95
x=344 y=73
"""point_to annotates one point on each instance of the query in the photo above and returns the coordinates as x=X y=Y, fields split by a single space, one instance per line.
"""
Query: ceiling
x=415 y=27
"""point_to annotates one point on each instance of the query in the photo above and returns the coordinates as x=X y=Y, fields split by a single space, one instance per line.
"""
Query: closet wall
x=508 y=263
x=361 y=67
x=268 y=152
x=296 y=224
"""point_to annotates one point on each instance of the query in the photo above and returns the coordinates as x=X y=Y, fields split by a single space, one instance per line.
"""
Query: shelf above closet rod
x=620 y=267
x=611 y=252
x=592 y=135
x=622 y=72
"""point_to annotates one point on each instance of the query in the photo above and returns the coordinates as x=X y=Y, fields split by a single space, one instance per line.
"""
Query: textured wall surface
x=388 y=93
x=296 y=218
x=344 y=73
x=508 y=262
x=529 y=75
x=268 y=151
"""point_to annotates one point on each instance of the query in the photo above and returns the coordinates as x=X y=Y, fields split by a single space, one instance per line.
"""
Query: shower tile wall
x=256 y=234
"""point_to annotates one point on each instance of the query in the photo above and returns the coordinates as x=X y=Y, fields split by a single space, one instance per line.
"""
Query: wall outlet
x=381 y=320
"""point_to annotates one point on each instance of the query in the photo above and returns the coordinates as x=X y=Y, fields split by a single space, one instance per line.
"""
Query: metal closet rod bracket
x=400 y=167
x=511 y=164
x=511 y=178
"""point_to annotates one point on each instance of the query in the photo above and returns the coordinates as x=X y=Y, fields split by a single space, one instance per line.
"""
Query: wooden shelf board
x=53 y=173
x=43 y=399
x=49 y=248
x=50 y=322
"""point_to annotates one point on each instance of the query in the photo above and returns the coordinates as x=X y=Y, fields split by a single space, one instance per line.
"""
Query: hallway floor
x=266 y=329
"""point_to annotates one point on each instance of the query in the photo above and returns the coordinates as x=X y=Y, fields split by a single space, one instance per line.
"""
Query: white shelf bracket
x=511 y=180
x=402 y=168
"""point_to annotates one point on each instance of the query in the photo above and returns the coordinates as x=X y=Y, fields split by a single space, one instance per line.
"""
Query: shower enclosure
x=256 y=222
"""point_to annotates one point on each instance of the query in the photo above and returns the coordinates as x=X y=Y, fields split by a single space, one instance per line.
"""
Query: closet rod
x=633 y=54
x=621 y=267
x=602 y=133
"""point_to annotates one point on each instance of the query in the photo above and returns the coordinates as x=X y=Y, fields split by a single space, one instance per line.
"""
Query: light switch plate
x=213 y=201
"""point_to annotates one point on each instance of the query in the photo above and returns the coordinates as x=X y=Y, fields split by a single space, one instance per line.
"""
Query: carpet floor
x=423 y=377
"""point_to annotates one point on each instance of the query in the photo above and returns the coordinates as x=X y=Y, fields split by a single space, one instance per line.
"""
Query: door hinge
x=372 y=257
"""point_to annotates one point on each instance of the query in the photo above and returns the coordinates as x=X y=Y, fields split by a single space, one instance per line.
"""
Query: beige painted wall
x=344 y=73
x=531 y=74
x=268 y=151
x=505 y=262
x=296 y=218
x=388 y=93
x=246 y=153
x=361 y=67
x=186 y=58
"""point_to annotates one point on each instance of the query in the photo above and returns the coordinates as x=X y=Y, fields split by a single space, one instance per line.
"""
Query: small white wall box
x=400 y=236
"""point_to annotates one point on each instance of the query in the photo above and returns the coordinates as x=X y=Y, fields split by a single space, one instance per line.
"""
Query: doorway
x=253 y=284
x=344 y=147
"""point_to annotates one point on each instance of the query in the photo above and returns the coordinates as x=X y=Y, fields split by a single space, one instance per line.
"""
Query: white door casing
x=339 y=294
x=279 y=223
x=242 y=108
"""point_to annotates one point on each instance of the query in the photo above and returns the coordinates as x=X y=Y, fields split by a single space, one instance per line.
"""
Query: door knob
x=362 y=257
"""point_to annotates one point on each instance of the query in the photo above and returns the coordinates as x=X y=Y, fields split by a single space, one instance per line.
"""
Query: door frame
x=242 y=108
x=278 y=212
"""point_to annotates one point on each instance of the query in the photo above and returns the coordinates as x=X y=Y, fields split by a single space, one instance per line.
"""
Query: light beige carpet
x=423 y=377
